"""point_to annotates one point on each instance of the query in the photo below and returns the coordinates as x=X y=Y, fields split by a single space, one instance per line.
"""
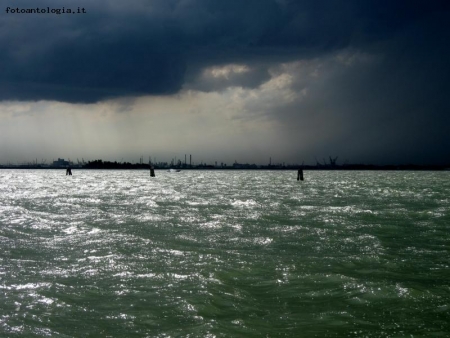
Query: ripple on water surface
x=224 y=253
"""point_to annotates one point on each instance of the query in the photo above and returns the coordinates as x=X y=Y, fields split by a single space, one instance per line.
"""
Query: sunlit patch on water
x=224 y=253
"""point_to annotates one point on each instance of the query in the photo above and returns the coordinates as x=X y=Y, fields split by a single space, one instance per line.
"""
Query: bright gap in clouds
x=216 y=126
x=225 y=71
x=303 y=110
x=236 y=123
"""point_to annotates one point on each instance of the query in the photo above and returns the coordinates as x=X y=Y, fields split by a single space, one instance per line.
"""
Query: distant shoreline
x=354 y=167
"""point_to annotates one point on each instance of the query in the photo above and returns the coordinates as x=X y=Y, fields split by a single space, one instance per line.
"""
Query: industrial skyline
x=173 y=162
x=332 y=164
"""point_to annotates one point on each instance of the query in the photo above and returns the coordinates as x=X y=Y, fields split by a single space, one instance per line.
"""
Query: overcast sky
x=226 y=80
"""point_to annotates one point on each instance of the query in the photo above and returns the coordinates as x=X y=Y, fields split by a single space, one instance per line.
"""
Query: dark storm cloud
x=154 y=47
x=389 y=106
x=105 y=53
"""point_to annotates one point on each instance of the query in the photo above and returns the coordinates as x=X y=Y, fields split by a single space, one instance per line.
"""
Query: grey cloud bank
x=366 y=80
x=146 y=47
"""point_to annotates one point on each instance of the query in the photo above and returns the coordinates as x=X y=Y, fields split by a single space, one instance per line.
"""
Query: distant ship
x=173 y=170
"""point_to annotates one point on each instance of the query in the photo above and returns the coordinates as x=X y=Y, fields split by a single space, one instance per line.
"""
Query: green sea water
x=224 y=254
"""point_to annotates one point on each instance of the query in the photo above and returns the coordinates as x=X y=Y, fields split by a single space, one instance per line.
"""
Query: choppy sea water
x=224 y=254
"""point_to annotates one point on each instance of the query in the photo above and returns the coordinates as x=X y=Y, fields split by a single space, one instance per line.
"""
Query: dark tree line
x=99 y=164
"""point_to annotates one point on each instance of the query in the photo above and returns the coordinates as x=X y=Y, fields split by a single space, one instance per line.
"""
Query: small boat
x=173 y=170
